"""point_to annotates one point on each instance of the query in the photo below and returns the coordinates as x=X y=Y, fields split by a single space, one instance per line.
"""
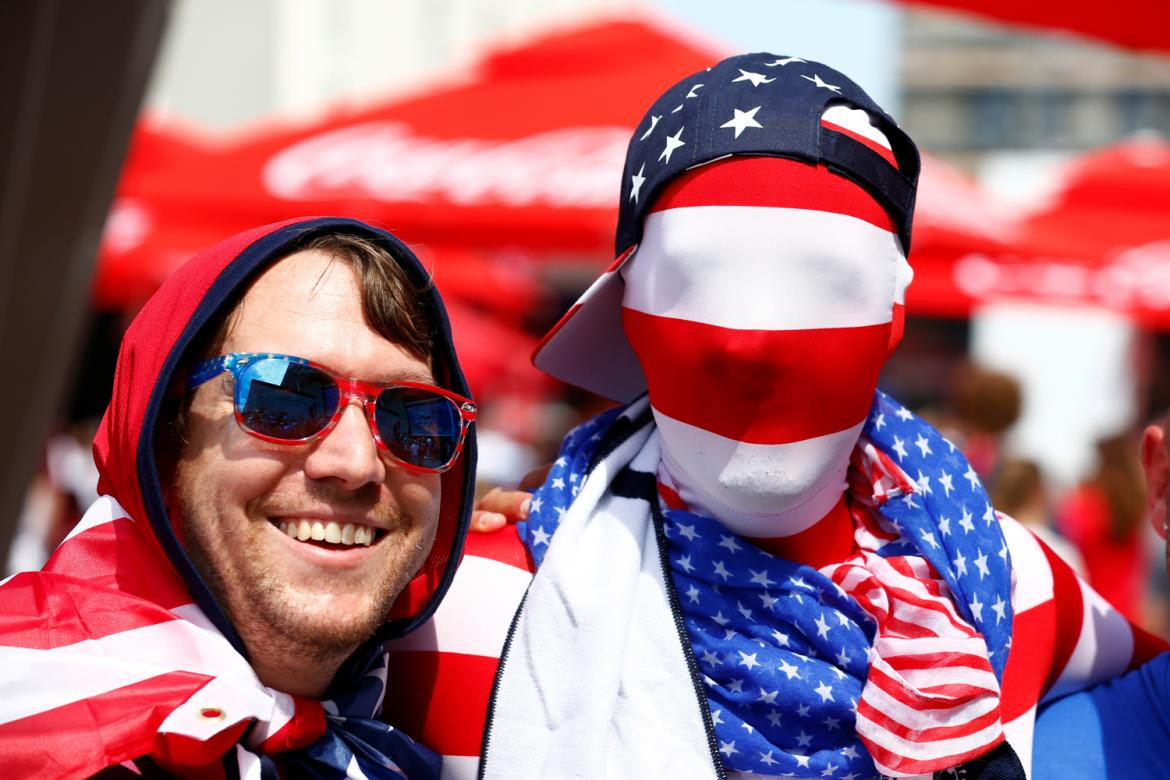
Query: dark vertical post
x=72 y=76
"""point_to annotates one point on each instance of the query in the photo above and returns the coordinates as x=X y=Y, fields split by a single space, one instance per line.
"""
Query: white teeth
x=331 y=531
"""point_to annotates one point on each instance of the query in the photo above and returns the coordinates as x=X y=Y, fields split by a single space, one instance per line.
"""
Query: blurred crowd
x=1098 y=525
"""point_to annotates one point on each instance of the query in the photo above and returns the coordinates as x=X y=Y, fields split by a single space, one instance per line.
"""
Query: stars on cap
x=731 y=85
x=783 y=61
x=755 y=78
x=638 y=179
x=741 y=120
x=816 y=79
x=649 y=130
x=672 y=142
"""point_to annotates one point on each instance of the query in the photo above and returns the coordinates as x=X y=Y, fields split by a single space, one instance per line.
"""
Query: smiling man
x=286 y=475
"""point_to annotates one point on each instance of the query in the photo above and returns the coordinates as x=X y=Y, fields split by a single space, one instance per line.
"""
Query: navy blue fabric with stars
x=355 y=738
x=782 y=651
x=761 y=104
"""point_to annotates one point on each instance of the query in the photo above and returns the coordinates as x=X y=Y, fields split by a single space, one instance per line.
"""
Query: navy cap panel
x=760 y=104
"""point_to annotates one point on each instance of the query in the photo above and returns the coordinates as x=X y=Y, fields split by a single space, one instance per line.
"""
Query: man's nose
x=348 y=453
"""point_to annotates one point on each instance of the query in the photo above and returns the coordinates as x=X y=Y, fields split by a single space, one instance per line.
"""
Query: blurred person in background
x=760 y=564
x=1119 y=730
x=1019 y=490
x=286 y=472
x=64 y=486
x=1103 y=518
x=66 y=482
x=984 y=404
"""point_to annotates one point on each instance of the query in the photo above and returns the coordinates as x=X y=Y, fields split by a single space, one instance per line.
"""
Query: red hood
x=152 y=351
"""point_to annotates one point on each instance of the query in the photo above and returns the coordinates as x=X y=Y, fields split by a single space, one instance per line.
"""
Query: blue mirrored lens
x=418 y=426
x=285 y=400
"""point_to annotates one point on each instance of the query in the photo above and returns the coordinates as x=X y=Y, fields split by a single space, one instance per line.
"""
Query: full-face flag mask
x=759 y=287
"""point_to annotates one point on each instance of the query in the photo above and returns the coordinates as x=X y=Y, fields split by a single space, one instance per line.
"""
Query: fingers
x=487 y=522
x=499 y=507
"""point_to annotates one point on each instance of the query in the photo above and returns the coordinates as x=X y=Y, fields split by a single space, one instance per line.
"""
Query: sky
x=860 y=38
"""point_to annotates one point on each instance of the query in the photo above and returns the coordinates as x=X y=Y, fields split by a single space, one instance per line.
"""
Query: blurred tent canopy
x=1102 y=240
x=521 y=156
x=516 y=162
x=1133 y=24
x=524 y=152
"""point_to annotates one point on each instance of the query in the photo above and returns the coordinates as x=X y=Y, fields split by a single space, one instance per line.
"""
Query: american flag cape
x=890 y=661
x=129 y=670
x=116 y=653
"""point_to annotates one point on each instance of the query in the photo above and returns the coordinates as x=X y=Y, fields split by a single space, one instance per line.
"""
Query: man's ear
x=1156 y=465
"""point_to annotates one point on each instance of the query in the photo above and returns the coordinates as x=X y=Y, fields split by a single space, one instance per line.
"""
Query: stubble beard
x=279 y=621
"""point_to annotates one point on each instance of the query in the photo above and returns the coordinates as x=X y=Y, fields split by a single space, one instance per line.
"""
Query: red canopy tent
x=523 y=151
x=1134 y=24
x=518 y=158
x=953 y=220
x=1103 y=239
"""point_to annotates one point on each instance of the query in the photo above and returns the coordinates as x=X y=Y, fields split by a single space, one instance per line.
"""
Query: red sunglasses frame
x=350 y=389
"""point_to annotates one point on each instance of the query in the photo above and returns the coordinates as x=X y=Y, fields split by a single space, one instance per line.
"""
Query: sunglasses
x=290 y=400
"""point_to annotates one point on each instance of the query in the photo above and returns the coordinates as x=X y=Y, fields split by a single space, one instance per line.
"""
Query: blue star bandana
x=356 y=743
x=784 y=652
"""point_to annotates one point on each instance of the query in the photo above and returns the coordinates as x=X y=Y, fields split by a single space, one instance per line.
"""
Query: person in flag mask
x=758 y=563
x=1120 y=728
x=287 y=469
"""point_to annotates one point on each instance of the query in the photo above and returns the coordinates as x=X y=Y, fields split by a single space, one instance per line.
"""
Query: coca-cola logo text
x=386 y=161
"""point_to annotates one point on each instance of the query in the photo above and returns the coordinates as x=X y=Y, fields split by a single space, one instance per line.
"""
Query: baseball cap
x=751 y=104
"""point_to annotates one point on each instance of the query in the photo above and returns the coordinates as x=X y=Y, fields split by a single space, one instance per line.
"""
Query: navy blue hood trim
x=235 y=276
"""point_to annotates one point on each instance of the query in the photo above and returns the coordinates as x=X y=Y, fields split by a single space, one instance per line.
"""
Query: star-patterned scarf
x=356 y=742
x=889 y=661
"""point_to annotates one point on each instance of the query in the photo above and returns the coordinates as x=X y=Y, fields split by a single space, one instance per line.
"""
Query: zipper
x=491 y=709
x=612 y=441
x=607 y=448
x=684 y=637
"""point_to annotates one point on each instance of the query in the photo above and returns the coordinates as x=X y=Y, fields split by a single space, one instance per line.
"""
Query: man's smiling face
x=298 y=601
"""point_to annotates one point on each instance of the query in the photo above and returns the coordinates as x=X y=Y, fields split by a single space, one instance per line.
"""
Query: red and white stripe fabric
x=441 y=675
x=762 y=303
x=931 y=698
x=128 y=666
x=1064 y=638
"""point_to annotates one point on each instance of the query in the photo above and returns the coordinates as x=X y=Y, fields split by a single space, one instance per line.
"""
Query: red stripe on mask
x=757 y=386
x=772 y=181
